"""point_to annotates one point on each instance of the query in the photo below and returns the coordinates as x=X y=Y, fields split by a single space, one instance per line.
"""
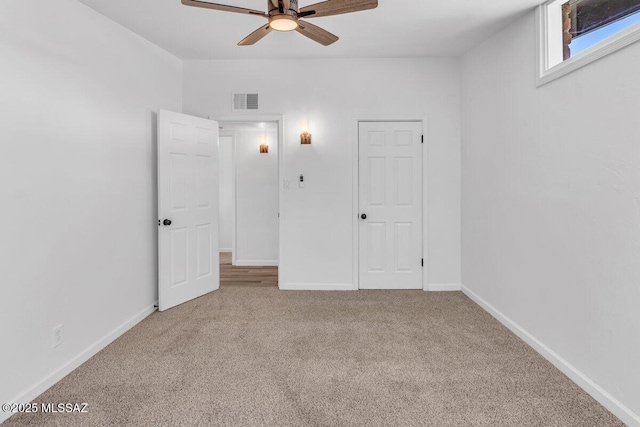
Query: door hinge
x=422 y=262
x=423 y=139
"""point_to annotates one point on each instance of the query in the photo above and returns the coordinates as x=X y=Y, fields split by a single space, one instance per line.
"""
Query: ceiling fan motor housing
x=275 y=6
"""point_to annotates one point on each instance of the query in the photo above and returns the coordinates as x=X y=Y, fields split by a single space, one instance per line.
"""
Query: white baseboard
x=598 y=393
x=443 y=287
x=241 y=263
x=316 y=287
x=225 y=250
x=42 y=386
x=386 y=287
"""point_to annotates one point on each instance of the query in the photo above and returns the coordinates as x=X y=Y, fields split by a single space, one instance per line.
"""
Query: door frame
x=243 y=118
x=356 y=190
x=232 y=135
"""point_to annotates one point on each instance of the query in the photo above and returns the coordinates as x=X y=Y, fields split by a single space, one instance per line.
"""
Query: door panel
x=179 y=255
x=377 y=246
x=404 y=181
x=377 y=176
x=188 y=198
x=178 y=173
x=390 y=194
x=204 y=256
x=403 y=237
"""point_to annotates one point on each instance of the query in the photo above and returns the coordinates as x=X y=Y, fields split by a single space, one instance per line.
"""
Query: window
x=576 y=32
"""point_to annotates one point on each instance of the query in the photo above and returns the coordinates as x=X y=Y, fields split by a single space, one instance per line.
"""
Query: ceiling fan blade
x=287 y=4
x=256 y=36
x=316 y=33
x=336 y=7
x=223 y=7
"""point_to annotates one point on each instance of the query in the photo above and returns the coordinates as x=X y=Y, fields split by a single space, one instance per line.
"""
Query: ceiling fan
x=284 y=15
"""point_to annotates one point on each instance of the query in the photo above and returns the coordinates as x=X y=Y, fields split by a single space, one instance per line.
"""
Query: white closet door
x=390 y=211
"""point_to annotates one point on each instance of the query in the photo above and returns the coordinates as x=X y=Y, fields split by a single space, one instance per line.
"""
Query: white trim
x=546 y=74
x=355 y=179
x=598 y=393
x=233 y=136
x=256 y=263
x=225 y=250
x=443 y=287
x=37 y=389
x=317 y=287
x=386 y=287
x=234 y=230
x=279 y=118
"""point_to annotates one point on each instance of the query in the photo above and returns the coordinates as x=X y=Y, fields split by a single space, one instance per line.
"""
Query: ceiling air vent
x=245 y=101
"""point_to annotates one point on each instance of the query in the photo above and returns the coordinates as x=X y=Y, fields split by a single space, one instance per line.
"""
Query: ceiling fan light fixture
x=283 y=16
x=283 y=23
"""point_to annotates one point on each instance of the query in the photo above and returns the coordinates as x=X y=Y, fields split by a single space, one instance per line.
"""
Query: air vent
x=245 y=101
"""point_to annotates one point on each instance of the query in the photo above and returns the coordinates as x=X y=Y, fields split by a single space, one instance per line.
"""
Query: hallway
x=255 y=277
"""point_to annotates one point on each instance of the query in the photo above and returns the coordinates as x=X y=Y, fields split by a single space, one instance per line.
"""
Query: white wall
x=225 y=156
x=256 y=199
x=77 y=184
x=317 y=220
x=551 y=206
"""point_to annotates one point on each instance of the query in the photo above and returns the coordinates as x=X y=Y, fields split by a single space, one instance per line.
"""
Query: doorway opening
x=249 y=202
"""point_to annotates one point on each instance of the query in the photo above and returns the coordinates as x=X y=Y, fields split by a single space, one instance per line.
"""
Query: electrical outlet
x=58 y=335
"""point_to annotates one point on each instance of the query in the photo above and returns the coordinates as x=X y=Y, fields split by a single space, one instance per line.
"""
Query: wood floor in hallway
x=257 y=277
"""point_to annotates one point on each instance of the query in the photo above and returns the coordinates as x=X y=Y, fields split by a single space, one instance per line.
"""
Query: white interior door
x=187 y=208
x=390 y=197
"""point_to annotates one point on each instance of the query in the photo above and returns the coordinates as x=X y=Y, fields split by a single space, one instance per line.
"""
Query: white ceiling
x=409 y=28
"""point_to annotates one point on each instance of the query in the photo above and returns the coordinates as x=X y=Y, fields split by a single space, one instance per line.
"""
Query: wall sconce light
x=305 y=136
x=264 y=148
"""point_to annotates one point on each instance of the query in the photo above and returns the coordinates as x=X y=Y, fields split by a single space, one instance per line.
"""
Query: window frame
x=550 y=27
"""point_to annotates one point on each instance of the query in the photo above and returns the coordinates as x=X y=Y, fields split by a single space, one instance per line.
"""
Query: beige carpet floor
x=225 y=258
x=264 y=357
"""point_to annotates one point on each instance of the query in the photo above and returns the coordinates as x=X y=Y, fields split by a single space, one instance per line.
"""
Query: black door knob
x=167 y=222
x=363 y=216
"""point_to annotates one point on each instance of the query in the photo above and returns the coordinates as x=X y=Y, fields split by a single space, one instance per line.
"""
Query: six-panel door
x=390 y=198
x=187 y=207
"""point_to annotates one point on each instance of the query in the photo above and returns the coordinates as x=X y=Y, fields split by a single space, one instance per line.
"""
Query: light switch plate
x=58 y=335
